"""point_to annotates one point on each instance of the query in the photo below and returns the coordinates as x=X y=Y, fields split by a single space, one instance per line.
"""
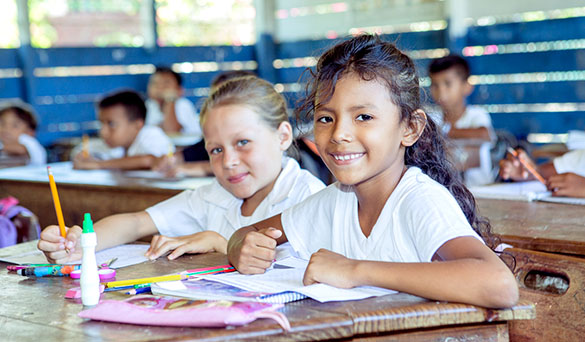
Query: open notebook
x=521 y=191
x=282 y=283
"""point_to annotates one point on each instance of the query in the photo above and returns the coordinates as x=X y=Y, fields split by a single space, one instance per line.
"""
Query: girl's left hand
x=202 y=242
x=330 y=268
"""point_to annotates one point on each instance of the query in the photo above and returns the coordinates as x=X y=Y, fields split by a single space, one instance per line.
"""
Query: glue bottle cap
x=87 y=224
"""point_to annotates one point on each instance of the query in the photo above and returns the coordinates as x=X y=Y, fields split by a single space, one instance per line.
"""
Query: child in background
x=246 y=129
x=193 y=161
x=122 y=117
x=449 y=88
x=17 y=133
x=398 y=217
x=166 y=106
x=565 y=175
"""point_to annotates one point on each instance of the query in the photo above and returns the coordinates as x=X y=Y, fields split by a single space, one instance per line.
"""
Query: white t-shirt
x=36 y=152
x=419 y=217
x=211 y=207
x=475 y=117
x=150 y=140
x=573 y=161
x=186 y=114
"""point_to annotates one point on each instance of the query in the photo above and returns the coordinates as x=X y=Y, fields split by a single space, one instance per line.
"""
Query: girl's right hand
x=511 y=168
x=57 y=249
x=254 y=252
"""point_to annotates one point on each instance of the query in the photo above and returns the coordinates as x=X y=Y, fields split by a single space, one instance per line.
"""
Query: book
x=281 y=283
x=522 y=191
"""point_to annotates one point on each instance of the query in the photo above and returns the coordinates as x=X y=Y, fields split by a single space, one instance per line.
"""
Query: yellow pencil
x=58 y=210
x=85 y=145
x=131 y=282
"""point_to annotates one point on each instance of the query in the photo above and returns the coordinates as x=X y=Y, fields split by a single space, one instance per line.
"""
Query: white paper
x=127 y=255
x=521 y=191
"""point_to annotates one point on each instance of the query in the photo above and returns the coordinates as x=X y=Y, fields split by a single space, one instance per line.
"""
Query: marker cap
x=87 y=223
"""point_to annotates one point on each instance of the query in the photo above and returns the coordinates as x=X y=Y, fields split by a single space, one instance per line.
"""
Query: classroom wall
x=529 y=73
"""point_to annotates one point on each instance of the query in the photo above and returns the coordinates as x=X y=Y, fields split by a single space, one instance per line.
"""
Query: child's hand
x=166 y=165
x=567 y=184
x=84 y=163
x=54 y=245
x=330 y=268
x=202 y=242
x=511 y=168
x=255 y=252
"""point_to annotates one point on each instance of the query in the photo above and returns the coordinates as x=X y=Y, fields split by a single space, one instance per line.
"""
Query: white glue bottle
x=90 y=280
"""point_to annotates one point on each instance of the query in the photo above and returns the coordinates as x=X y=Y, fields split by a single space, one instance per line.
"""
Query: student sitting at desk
x=17 y=133
x=450 y=87
x=398 y=217
x=122 y=126
x=564 y=175
x=246 y=129
x=166 y=106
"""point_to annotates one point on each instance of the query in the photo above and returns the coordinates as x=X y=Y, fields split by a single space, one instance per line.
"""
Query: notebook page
x=564 y=200
x=519 y=191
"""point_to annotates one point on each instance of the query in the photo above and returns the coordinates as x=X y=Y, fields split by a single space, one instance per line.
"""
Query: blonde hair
x=250 y=91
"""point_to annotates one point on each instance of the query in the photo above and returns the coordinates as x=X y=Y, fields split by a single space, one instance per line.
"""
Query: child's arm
x=202 y=242
x=125 y=163
x=481 y=133
x=567 y=184
x=171 y=166
x=252 y=249
x=511 y=168
x=111 y=231
x=170 y=122
x=468 y=272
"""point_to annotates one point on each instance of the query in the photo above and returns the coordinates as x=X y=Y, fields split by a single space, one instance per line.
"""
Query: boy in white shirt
x=17 y=130
x=450 y=87
x=166 y=106
x=122 y=116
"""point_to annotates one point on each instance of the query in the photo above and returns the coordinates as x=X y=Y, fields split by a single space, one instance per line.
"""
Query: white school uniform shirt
x=573 y=161
x=186 y=114
x=419 y=217
x=150 y=140
x=211 y=207
x=474 y=117
x=36 y=152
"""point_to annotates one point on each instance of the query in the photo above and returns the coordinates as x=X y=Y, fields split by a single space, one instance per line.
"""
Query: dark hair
x=169 y=71
x=130 y=100
x=456 y=62
x=228 y=75
x=23 y=111
x=372 y=59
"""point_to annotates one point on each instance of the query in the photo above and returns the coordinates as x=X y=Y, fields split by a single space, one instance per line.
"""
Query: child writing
x=246 y=129
x=398 y=217
x=565 y=175
x=166 y=106
x=449 y=88
x=17 y=133
x=122 y=126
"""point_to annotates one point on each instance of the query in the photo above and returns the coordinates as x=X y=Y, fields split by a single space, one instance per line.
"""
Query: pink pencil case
x=179 y=312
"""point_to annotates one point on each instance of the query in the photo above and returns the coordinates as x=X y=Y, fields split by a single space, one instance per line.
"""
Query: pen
x=56 y=202
x=527 y=166
x=139 y=290
x=85 y=145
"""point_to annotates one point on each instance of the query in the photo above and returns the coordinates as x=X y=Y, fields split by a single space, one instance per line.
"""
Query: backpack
x=17 y=224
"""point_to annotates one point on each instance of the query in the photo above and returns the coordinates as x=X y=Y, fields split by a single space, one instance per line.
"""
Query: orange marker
x=527 y=166
x=58 y=210
x=85 y=146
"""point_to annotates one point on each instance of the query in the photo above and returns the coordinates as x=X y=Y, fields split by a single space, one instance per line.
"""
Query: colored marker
x=139 y=291
x=48 y=271
x=14 y=268
x=527 y=166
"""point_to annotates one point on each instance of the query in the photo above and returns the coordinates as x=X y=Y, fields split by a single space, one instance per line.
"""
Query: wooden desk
x=541 y=226
x=12 y=161
x=99 y=192
x=35 y=307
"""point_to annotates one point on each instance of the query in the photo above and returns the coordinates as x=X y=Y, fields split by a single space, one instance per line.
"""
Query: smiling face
x=116 y=129
x=359 y=133
x=245 y=153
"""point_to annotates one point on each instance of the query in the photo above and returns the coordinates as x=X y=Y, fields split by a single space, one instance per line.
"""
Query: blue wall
x=65 y=104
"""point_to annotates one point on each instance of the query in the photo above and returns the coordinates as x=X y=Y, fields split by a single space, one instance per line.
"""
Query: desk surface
x=542 y=226
x=33 y=307
x=99 y=192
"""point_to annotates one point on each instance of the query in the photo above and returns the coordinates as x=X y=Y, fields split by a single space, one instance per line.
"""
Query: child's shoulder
x=415 y=186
